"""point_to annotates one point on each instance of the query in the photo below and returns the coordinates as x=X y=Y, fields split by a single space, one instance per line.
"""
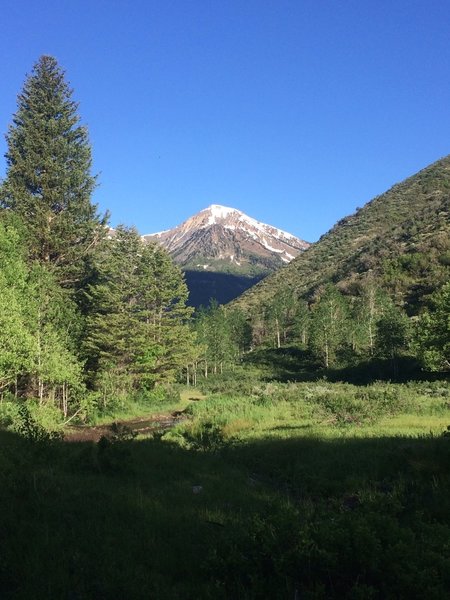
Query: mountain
x=223 y=252
x=222 y=239
x=400 y=238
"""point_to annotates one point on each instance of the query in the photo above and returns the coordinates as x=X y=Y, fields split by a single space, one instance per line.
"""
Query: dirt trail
x=143 y=425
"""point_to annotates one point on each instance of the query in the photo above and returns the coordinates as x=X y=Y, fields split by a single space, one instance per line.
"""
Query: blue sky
x=295 y=112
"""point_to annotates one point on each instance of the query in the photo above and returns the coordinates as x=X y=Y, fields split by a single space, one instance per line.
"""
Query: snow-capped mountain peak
x=217 y=212
x=220 y=237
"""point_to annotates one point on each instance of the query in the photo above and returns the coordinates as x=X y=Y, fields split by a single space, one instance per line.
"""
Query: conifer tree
x=165 y=339
x=109 y=345
x=137 y=331
x=48 y=179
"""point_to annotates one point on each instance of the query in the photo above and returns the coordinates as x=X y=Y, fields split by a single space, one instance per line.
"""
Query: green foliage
x=36 y=318
x=34 y=426
x=48 y=180
x=16 y=339
x=398 y=242
x=272 y=493
x=366 y=311
x=137 y=331
x=392 y=333
x=268 y=490
x=329 y=325
x=334 y=405
x=75 y=307
x=52 y=320
x=222 y=337
x=345 y=405
x=279 y=316
x=433 y=332
x=206 y=436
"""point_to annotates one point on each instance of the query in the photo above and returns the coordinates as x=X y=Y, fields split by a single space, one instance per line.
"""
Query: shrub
x=206 y=436
x=25 y=424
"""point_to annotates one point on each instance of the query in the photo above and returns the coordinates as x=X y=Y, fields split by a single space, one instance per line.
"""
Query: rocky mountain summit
x=225 y=240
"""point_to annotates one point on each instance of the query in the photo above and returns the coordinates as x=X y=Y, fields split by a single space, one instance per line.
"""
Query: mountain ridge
x=401 y=237
x=224 y=239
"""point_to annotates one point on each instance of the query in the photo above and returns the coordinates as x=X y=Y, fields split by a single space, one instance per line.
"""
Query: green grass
x=316 y=489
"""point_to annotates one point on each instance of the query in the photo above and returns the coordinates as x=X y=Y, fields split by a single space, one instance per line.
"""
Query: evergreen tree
x=48 y=180
x=111 y=322
x=137 y=330
x=165 y=341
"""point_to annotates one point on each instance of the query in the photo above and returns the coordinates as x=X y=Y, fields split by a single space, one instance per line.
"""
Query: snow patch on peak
x=222 y=210
x=158 y=233
x=269 y=247
x=219 y=211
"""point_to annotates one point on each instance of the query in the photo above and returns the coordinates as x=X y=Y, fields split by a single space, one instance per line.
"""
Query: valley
x=220 y=410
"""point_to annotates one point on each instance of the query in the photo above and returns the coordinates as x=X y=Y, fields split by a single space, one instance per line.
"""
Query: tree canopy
x=48 y=179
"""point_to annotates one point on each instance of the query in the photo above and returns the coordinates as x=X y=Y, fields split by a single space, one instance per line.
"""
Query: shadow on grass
x=295 y=518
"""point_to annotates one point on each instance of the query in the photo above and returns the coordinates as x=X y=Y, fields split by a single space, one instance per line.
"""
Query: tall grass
x=270 y=490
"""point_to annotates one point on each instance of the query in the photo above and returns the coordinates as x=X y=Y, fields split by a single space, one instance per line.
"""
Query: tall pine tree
x=48 y=180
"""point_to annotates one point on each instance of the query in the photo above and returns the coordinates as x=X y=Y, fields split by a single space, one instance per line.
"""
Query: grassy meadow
x=294 y=490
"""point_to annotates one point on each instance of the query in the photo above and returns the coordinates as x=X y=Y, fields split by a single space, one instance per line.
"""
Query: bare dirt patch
x=141 y=426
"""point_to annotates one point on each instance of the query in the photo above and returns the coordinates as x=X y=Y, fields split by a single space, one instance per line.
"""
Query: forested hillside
x=369 y=288
x=401 y=238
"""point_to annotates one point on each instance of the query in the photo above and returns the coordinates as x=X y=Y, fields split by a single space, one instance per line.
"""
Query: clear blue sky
x=295 y=112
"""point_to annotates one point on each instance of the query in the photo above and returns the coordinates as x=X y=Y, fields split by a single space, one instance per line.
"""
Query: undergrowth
x=268 y=490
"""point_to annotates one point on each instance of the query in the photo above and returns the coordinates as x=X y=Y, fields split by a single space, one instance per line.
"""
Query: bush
x=30 y=420
x=206 y=436
x=26 y=425
x=160 y=397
